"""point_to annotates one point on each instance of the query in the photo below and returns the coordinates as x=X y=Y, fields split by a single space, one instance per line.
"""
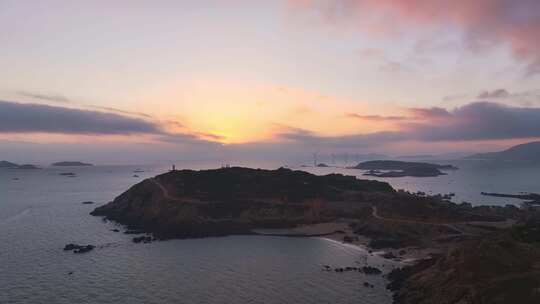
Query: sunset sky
x=137 y=80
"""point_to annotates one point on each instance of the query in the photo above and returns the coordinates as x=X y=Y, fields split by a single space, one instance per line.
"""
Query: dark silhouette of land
x=9 y=165
x=524 y=152
x=70 y=164
x=394 y=168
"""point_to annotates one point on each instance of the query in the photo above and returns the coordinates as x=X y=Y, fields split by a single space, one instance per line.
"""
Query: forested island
x=449 y=238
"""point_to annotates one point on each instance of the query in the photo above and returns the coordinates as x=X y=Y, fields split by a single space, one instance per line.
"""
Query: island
x=71 y=164
x=9 y=165
x=394 y=168
x=462 y=250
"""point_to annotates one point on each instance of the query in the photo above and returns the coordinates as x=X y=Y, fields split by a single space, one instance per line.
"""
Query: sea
x=42 y=210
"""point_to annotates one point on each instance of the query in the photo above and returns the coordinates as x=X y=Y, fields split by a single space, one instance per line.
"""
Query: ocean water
x=467 y=183
x=42 y=211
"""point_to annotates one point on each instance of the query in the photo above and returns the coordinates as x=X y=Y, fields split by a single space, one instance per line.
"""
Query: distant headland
x=524 y=152
x=9 y=165
x=70 y=164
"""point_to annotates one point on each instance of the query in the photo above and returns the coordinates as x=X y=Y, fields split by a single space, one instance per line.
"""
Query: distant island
x=524 y=152
x=468 y=254
x=70 y=164
x=9 y=165
x=394 y=168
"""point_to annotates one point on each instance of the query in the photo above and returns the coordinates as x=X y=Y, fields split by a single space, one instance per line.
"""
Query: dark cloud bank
x=28 y=118
x=474 y=121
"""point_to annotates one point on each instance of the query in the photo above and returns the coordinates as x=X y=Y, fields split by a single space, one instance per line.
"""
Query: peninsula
x=227 y=201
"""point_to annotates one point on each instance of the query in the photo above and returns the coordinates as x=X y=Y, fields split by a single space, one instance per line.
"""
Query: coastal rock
x=131 y=231
x=79 y=248
x=68 y=174
x=371 y=270
x=142 y=239
x=83 y=249
x=71 y=246
x=350 y=239
x=389 y=255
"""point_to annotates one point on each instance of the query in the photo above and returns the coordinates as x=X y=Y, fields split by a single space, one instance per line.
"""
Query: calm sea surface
x=467 y=183
x=42 y=211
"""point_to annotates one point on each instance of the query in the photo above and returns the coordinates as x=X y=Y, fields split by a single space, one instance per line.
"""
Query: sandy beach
x=341 y=230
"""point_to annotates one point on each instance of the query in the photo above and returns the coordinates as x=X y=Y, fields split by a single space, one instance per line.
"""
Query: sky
x=142 y=81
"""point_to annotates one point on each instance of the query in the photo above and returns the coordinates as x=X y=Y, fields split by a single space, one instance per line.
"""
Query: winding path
x=165 y=192
x=169 y=196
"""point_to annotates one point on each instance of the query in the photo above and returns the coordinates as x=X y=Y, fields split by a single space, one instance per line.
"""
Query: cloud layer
x=31 y=118
x=484 y=23
x=476 y=121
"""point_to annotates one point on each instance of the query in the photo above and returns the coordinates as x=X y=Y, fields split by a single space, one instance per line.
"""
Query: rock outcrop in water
x=79 y=248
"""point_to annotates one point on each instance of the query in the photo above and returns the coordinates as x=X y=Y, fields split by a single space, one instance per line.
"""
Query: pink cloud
x=484 y=23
